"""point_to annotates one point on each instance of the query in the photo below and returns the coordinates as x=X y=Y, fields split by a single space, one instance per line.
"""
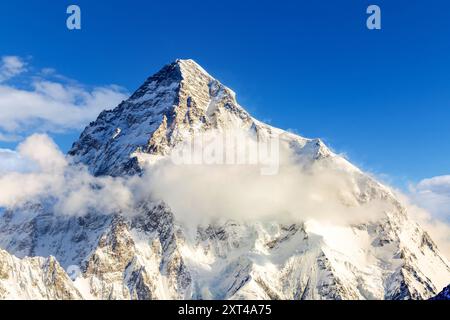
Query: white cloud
x=55 y=105
x=433 y=194
x=241 y=192
x=39 y=171
x=207 y=191
x=10 y=67
x=430 y=206
x=43 y=152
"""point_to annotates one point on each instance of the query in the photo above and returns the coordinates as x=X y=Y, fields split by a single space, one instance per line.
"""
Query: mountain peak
x=184 y=74
x=179 y=99
x=189 y=65
x=177 y=102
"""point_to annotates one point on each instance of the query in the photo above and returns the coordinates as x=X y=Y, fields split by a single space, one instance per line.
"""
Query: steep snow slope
x=150 y=255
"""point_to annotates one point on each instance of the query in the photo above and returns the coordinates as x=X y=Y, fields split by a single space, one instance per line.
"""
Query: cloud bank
x=47 y=176
x=49 y=102
x=38 y=172
x=195 y=193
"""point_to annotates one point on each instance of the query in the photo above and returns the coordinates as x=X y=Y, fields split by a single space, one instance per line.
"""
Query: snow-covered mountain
x=149 y=255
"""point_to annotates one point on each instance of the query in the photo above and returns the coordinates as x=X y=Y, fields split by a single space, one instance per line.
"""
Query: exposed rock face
x=148 y=255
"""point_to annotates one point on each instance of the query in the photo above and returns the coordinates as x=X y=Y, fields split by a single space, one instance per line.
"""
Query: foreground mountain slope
x=150 y=254
x=34 y=278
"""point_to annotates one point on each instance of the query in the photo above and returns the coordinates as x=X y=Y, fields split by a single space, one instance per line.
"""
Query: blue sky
x=382 y=97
